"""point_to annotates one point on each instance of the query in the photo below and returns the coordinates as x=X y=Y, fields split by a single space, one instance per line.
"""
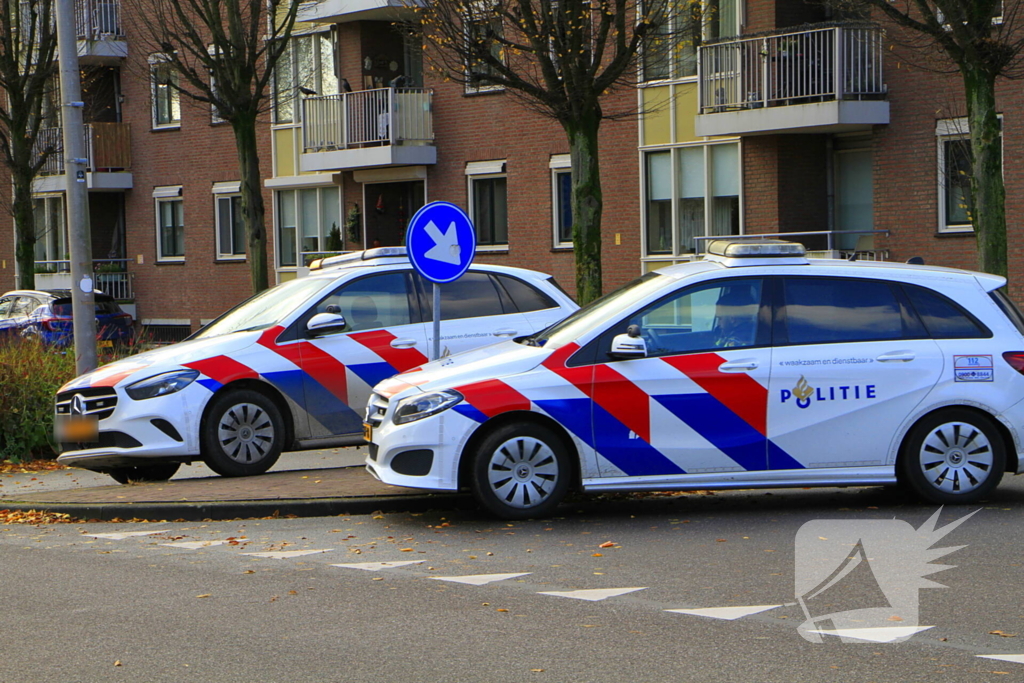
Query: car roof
x=53 y=293
x=333 y=271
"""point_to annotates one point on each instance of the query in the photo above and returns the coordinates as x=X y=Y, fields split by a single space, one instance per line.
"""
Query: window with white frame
x=50 y=229
x=690 y=192
x=954 y=156
x=561 y=200
x=170 y=223
x=166 y=96
x=305 y=220
x=215 y=116
x=305 y=69
x=483 y=25
x=230 y=223
x=488 y=202
x=672 y=50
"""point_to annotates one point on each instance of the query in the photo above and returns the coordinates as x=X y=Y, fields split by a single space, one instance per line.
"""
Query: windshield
x=597 y=313
x=266 y=309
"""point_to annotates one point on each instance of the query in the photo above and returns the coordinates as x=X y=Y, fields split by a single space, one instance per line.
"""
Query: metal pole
x=436 y=353
x=83 y=305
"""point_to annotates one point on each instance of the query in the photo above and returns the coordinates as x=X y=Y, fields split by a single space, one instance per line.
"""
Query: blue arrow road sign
x=441 y=242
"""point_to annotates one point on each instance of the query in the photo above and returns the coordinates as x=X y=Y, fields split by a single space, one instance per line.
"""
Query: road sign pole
x=437 y=322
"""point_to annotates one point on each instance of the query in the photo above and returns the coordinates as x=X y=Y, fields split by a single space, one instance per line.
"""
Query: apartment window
x=305 y=69
x=306 y=218
x=954 y=154
x=484 y=29
x=488 y=202
x=50 y=228
x=166 y=96
x=170 y=223
x=561 y=200
x=690 y=192
x=671 y=52
x=230 y=224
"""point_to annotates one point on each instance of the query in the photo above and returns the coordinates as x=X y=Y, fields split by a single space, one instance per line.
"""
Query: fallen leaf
x=501 y=609
x=607 y=544
x=895 y=618
x=597 y=555
x=117 y=662
x=1003 y=634
x=536 y=671
x=405 y=550
x=249 y=571
x=204 y=595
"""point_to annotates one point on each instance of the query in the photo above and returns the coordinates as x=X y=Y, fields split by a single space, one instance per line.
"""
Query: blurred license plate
x=105 y=344
x=77 y=429
x=368 y=431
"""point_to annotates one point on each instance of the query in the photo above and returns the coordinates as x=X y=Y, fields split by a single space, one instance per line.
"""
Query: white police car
x=290 y=368
x=754 y=367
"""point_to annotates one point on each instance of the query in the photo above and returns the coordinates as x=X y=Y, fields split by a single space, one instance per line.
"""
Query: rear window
x=474 y=295
x=832 y=310
x=62 y=307
x=942 y=318
x=1009 y=308
x=526 y=297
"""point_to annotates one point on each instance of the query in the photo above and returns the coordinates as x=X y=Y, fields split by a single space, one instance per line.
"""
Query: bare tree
x=982 y=41
x=28 y=42
x=224 y=52
x=560 y=58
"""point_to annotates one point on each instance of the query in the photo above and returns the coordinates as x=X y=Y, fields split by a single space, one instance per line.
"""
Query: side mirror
x=321 y=323
x=628 y=346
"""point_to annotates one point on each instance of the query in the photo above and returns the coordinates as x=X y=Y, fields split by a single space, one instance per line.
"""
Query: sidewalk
x=307 y=484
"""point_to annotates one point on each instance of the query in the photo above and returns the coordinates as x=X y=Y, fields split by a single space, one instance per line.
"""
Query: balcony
x=110 y=276
x=108 y=147
x=819 y=80
x=368 y=129
x=99 y=31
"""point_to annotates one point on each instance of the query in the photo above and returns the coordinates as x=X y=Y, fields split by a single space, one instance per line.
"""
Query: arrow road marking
x=285 y=554
x=446 y=244
x=478 y=579
x=120 y=536
x=592 y=594
x=729 y=613
x=376 y=566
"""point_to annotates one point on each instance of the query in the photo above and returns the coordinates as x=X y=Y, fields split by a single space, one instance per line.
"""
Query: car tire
x=953 y=456
x=521 y=470
x=243 y=434
x=159 y=472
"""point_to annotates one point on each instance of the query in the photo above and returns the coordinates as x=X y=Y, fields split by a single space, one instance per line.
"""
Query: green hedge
x=30 y=375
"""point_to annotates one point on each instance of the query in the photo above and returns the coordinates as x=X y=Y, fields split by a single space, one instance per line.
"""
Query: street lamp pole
x=83 y=305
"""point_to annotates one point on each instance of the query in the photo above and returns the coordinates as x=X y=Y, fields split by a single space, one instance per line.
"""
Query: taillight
x=1015 y=359
x=49 y=325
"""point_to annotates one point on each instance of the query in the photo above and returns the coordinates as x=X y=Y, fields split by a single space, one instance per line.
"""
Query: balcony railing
x=814 y=65
x=110 y=276
x=108 y=146
x=96 y=19
x=384 y=116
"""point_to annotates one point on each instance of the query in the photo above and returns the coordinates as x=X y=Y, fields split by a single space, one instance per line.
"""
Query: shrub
x=30 y=375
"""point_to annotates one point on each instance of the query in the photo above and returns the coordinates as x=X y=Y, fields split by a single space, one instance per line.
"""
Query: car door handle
x=738 y=366
x=504 y=333
x=902 y=356
x=403 y=343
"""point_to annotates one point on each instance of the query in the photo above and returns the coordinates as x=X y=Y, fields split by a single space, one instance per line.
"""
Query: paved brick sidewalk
x=303 y=493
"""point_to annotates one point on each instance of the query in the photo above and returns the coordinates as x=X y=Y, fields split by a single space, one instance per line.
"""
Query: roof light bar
x=758 y=249
x=352 y=257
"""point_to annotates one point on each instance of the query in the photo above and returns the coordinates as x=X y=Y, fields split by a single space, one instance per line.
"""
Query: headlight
x=161 y=385
x=418 y=407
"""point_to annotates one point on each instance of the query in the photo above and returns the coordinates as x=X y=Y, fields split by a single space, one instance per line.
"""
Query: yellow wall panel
x=686 y=110
x=657 y=116
x=284 y=152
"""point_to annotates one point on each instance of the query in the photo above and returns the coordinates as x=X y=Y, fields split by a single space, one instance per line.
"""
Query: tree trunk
x=988 y=194
x=24 y=227
x=587 y=204
x=253 y=210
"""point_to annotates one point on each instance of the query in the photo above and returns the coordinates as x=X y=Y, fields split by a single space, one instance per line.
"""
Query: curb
x=225 y=510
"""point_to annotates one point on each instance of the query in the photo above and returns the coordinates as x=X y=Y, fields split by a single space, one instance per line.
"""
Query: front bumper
x=137 y=432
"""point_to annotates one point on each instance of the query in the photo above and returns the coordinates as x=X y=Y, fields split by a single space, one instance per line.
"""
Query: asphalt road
x=85 y=608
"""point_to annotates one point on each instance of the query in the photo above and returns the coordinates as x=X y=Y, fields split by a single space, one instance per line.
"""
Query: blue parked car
x=46 y=315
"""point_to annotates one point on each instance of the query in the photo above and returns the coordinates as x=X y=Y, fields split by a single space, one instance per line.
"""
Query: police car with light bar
x=753 y=367
x=290 y=368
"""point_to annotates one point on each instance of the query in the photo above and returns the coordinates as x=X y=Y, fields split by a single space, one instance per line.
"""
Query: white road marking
x=478 y=579
x=193 y=545
x=120 y=536
x=728 y=613
x=885 y=634
x=376 y=566
x=1016 y=659
x=285 y=554
x=592 y=594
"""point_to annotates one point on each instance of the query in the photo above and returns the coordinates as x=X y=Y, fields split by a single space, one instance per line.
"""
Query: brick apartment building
x=786 y=121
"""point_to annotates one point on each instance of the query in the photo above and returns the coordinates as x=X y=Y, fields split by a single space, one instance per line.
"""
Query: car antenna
x=853 y=257
x=915 y=261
